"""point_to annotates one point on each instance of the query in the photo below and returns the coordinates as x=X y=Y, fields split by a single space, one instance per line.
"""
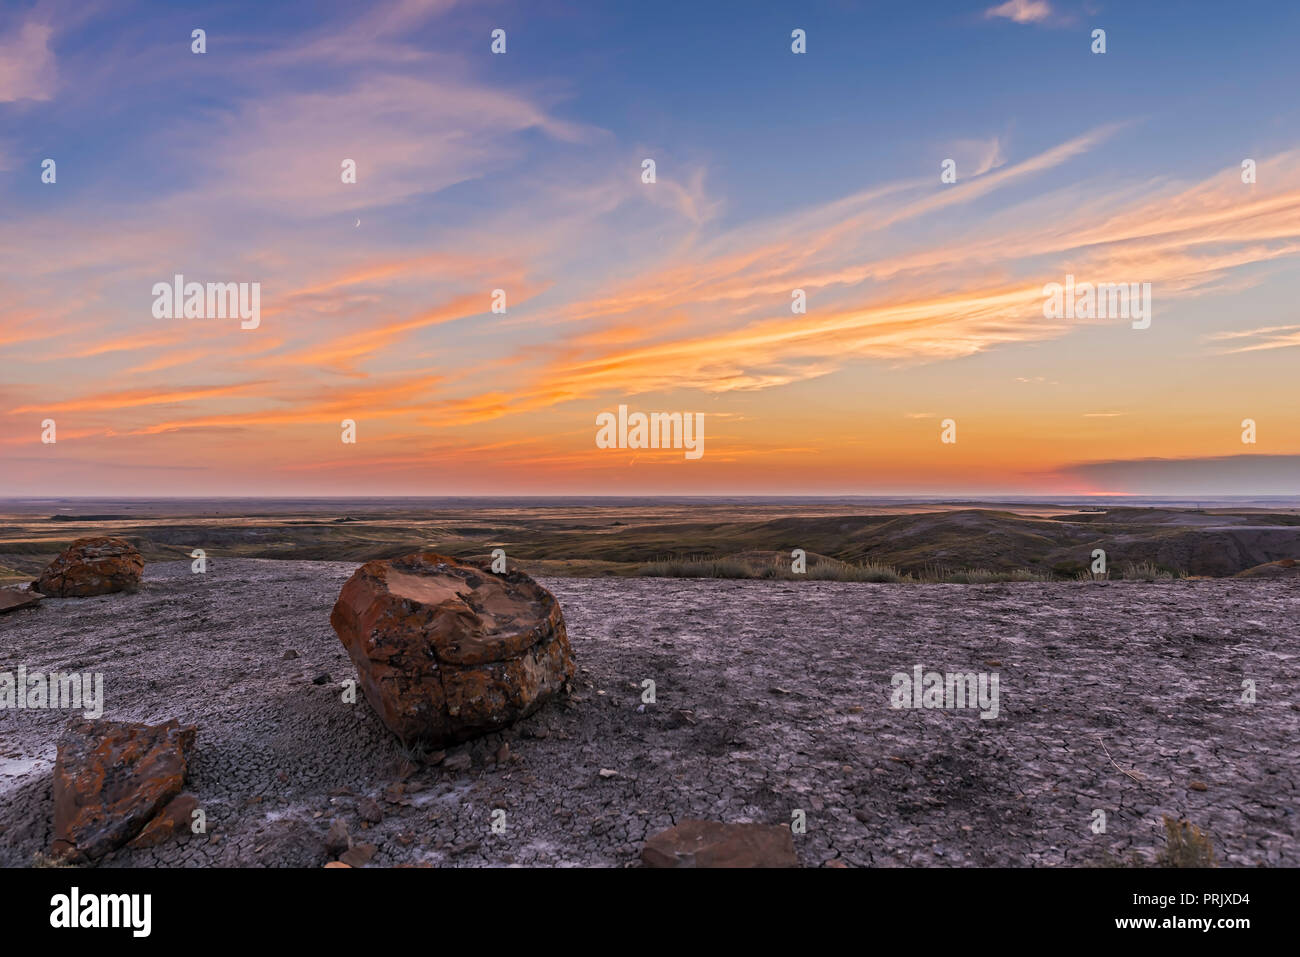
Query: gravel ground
x=770 y=697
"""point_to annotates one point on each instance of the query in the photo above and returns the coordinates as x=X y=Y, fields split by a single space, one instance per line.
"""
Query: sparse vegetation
x=983 y=576
x=699 y=568
x=1148 y=572
x=1186 y=845
x=41 y=859
x=843 y=572
x=831 y=570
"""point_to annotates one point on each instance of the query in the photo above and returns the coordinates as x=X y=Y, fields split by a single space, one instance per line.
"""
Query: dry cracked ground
x=769 y=697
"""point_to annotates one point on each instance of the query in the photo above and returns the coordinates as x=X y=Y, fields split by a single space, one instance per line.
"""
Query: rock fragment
x=337 y=839
x=714 y=844
x=111 y=779
x=358 y=855
x=172 y=821
x=16 y=599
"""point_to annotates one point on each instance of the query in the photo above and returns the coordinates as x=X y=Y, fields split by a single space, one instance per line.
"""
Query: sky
x=518 y=179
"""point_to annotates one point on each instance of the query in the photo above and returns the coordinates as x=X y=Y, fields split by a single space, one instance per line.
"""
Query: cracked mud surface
x=770 y=696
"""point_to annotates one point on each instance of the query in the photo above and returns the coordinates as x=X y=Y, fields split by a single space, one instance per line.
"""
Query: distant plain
x=592 y=537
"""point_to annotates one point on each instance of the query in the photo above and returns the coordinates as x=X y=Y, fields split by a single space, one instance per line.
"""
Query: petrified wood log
x=111 y=778
x=446 y=650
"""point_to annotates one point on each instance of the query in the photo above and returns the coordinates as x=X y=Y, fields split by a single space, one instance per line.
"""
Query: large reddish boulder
x=93 y=566
x=111 y=779
x=446 y=650
x=714 y=844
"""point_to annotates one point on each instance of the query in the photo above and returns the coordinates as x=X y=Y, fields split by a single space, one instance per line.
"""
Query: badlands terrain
x=630 y=537
x=770 y=697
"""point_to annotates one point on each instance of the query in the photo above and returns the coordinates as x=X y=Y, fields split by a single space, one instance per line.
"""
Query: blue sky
x=522 y=171
x=883 y=87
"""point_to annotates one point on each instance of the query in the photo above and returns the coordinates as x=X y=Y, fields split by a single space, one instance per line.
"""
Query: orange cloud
x=135 y=398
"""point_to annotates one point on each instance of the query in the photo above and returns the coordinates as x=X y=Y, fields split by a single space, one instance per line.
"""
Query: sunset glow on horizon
x=523 y=172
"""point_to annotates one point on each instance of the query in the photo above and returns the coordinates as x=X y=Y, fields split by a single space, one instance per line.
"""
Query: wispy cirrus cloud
x=932 y=302
x=927 y=303
x=1021 y=11
x=134 y=398
x=1255 y=340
